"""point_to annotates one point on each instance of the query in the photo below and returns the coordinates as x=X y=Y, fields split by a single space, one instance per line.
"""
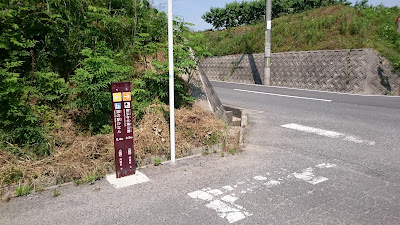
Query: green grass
x=157 y=161
x=13 y=176
x=56 y=192
x=326 y=28
x=89 y=179
x=21 y=191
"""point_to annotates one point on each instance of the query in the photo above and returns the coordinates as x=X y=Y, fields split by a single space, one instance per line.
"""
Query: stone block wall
x=359 y=71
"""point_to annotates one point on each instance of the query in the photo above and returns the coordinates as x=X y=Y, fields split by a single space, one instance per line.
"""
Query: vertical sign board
x=123 y=129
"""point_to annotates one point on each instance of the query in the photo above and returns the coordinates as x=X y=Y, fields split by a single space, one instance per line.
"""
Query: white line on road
x=287 y=96
x=327 y=133
x=308 y=90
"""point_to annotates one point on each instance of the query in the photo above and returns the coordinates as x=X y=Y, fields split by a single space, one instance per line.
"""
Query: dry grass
x=194 y=126
x=80 y=156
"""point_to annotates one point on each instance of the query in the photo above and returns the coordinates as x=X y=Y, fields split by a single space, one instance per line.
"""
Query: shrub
x=92 y=86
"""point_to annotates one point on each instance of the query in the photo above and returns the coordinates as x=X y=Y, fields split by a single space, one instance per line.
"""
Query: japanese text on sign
x=123 y=129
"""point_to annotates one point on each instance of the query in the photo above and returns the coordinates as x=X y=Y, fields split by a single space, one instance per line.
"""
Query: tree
x=244 y=13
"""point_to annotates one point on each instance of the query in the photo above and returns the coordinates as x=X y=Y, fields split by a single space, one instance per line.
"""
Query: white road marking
x=231 y=213
x=215 y=192
x=309 y=176
x=221 y=207
x=225 y=211
x=325 y=165
x=308 y=90
x=287 y=96
x=235 y=216
x=359 y=141
x=272 y=183
x=260 y=178
x=201 y=195
x=229 y=198
x=227 y=188
x=225 y=206
x=327 y=133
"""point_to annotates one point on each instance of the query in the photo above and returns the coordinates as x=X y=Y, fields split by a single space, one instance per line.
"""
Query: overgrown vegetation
x=59 y=58
x=245 y=13
x=326 y=28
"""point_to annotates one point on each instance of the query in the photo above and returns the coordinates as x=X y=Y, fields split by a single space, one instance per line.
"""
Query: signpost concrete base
x=127 y=181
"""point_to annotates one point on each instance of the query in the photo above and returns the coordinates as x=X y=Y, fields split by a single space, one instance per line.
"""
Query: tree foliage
x=245 y=13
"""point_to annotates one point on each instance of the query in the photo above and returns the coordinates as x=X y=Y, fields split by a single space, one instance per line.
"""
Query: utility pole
x=267 y=54
x=171 y=81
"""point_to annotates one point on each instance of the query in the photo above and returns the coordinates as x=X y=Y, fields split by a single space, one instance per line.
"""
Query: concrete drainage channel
x=234 y=115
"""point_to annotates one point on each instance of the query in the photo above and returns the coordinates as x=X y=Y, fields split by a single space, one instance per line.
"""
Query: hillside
x=326 y=28
x=57 y=61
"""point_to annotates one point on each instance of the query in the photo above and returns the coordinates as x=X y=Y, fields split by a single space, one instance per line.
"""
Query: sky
x=192 y=10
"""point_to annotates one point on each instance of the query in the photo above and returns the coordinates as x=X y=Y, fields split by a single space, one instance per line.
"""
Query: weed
x=14 y=175
x=106 y=129
x=214 y=137
x=38 y=189
x=384 y=80
x=224 y=144
x=77 y=181
x=234 y=67
x=21 y=191
x=91 y=178
x=243 y=139
x=157 y=161
x=205 y=153
x=56 y=192
x=232 y=151
x=222 y=154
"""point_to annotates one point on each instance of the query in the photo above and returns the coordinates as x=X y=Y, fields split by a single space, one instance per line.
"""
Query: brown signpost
x=123 y=129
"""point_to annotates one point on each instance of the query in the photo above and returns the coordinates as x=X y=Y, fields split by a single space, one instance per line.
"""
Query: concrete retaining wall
x=359 y=71
x=204 y=93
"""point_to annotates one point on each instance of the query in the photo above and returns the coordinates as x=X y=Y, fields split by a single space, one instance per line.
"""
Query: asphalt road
x=310 y=158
